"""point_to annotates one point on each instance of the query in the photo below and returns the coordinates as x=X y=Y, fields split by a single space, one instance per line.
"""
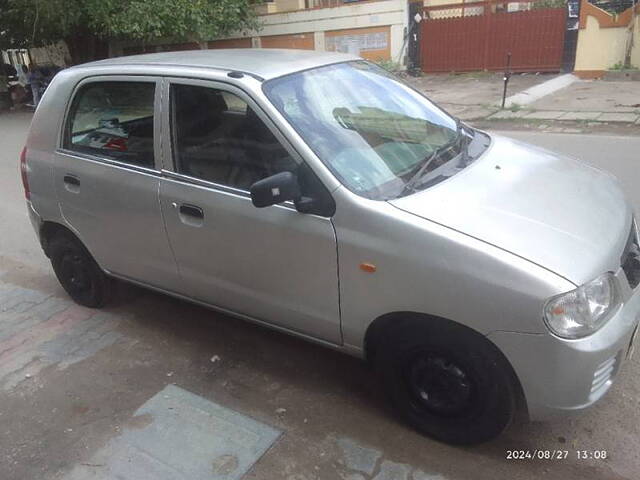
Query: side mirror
x=275 y=189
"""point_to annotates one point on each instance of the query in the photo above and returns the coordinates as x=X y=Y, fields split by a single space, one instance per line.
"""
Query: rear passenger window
x=113 y=120
x=217 y=137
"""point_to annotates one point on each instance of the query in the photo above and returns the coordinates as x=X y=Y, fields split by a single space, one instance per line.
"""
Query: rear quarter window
x=113 y=120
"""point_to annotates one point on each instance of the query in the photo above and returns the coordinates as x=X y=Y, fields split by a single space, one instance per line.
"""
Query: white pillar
x=318 y=41
x=396 y=32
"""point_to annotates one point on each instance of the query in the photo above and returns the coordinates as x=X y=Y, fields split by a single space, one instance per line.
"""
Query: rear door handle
x=71 y=183
x=72 y=180
x=192 y=211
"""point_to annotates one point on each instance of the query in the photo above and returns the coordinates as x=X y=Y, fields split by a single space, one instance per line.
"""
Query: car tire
x=78 y=272
x=446 y=380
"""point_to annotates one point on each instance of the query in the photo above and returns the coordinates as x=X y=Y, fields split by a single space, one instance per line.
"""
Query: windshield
x=380 y=138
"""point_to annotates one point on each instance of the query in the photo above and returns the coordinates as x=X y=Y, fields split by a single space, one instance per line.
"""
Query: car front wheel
x=447 y=381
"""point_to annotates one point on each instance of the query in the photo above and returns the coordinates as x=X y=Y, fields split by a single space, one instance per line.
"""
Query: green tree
x=87 y=25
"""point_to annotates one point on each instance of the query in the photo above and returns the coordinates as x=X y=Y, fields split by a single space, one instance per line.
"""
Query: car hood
x=559 y=213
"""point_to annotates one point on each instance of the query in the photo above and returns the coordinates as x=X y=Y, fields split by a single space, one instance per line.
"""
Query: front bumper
x=559 y=375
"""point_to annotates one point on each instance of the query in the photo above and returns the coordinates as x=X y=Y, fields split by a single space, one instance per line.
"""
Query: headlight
x=584 y=310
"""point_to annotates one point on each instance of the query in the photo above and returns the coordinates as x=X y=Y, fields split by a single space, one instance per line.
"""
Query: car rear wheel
x=447 y=381
x=78 y=272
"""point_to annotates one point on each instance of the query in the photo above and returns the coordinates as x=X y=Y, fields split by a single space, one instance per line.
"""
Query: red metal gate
x=471 y=36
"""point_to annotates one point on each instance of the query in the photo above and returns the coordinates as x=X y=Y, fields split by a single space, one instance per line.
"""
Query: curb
x=564 y=116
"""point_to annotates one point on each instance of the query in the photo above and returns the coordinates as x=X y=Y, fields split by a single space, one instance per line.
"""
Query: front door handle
x=192 y=211
x=190 y=215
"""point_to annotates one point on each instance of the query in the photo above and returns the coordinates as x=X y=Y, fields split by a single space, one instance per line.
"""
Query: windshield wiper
x=428 y=160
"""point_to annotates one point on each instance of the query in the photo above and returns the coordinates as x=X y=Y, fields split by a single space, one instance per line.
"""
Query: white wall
x=601 y=48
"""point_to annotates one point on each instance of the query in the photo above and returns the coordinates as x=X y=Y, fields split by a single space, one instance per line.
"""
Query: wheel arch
x=50 y=229
x=377 y=329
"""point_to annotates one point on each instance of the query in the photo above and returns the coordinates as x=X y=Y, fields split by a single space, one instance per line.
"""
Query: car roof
x=265 y=63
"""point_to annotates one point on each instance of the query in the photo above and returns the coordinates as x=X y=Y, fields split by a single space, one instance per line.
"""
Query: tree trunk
x=86 y=48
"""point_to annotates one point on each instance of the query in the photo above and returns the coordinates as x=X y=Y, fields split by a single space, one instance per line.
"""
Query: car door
x=107 y=178
x=274 y=264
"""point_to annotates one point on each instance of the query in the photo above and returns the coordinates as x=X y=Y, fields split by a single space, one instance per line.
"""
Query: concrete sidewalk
x=591 y=101
x=473 y=95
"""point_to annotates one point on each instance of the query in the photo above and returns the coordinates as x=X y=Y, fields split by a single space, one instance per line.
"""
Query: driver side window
x=217 y=137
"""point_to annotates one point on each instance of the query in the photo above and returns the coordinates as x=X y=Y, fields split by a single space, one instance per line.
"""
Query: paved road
x=76 y=385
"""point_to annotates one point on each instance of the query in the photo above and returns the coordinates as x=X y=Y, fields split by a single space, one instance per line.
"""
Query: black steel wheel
x=439 y=385
x=446 y=380
x=77 y=271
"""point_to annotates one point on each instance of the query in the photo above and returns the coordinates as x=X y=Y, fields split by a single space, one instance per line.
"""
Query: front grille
x=631 y=258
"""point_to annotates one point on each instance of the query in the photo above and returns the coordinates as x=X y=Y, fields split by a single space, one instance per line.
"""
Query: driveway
x=157 y=388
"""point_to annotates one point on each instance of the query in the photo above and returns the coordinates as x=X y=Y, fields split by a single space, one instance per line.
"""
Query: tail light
x=23 y=173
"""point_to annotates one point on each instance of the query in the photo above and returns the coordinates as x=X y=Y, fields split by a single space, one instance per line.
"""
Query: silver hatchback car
x=319 y=195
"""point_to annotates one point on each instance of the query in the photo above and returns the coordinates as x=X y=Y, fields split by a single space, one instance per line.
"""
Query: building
x=373 y=29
